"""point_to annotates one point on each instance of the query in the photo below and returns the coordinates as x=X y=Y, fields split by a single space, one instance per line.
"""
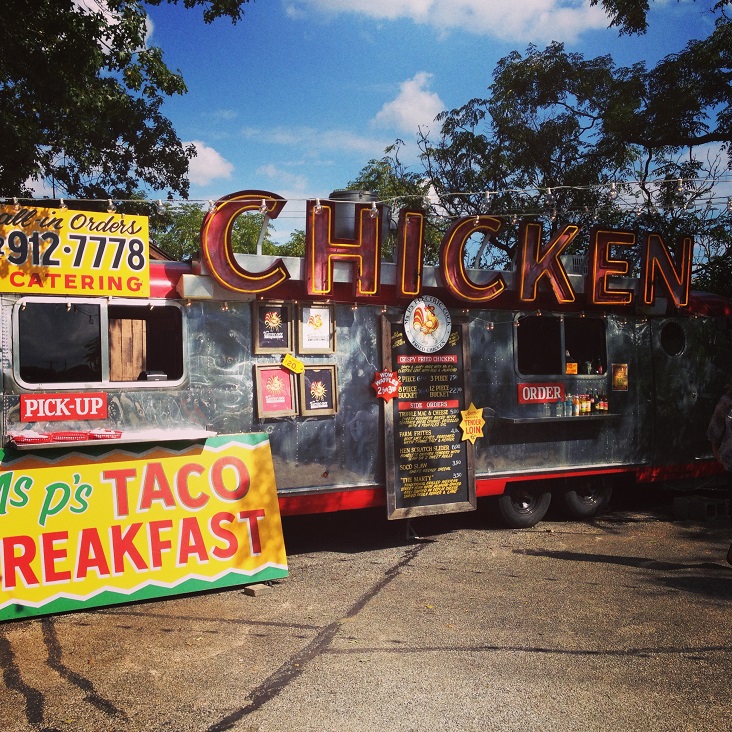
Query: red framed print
x=276 y=393
x=318 y=391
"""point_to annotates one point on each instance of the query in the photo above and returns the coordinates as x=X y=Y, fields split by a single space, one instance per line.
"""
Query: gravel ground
x=623 y=623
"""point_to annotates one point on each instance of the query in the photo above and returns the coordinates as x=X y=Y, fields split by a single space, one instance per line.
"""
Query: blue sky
x=300 y=94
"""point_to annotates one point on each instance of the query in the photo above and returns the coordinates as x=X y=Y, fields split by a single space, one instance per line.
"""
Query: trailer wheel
x=585 y=498
x=523 y=505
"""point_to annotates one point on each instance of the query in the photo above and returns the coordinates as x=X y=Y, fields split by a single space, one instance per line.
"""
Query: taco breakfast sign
x=84 y=528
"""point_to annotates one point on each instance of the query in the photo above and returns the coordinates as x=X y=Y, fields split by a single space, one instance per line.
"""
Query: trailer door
x=686 y=386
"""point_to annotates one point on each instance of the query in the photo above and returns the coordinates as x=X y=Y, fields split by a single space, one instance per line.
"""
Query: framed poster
x=318 y=391
x=316 y=328
x=272 y=323
x=276 y=394
x=620 y=376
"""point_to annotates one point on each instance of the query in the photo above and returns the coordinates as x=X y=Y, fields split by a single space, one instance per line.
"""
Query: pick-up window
x=91 y=342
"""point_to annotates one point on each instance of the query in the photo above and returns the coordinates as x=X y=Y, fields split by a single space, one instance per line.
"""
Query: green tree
x=81 y=96
x=558 y=130
x=399 y=188
x=176 y=229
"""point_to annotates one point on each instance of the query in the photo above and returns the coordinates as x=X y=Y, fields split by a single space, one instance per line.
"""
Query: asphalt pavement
x=450 y=623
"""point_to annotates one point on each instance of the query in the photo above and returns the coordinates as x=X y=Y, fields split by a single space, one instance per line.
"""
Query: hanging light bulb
x=613 y=191
x=161 y=208
x=318 y=206
x=211 y=206
x=62 y=204
x=16 y=205
x=110 y=206
x=263 y=207
x=374 y=213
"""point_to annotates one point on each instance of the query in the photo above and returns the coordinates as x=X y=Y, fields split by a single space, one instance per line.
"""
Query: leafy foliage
x=400 y=188
x=81 y=96
x=558 y=129
x=176 y=229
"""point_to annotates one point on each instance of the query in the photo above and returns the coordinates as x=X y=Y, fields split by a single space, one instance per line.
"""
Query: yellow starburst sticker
x=472 y=423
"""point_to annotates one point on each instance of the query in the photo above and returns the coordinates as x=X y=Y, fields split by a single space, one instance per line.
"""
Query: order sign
x=46 y=251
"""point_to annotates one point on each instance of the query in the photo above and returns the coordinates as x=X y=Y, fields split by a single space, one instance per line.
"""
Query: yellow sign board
x=53 y=251
x=80 y=529
x=472 y=423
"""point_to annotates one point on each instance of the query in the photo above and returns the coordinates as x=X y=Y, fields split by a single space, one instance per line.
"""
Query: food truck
x=370 y=382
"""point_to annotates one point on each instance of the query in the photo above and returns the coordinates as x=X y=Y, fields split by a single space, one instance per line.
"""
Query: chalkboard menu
x=429 y=466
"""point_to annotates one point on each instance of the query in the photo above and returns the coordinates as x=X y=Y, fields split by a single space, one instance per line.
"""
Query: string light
x=374 y=211
x=695 y=192
x=110 y=206
x=62 y=204
x=263 y=207
x=318 y=206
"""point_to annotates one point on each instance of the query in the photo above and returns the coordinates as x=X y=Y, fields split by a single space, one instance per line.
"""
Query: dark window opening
x=673 y=340
x=584 y=343
x=546 y=344
x=539 y=345
x=59 y=343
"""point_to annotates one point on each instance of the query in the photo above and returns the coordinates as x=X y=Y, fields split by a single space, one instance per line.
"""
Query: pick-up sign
x=60 y=407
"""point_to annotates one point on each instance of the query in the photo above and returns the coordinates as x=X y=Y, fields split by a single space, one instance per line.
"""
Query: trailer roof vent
x=574 y=264
x=345 y=218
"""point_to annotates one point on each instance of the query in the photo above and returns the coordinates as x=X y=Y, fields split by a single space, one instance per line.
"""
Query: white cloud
x=282 y=177
x=207 y=165
x=316 y=142
x=529 y=21
x=413 y=107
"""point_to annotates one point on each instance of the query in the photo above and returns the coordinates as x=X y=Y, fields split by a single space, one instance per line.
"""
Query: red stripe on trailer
x=164 y=278
x=701 y=469
x=299 y=504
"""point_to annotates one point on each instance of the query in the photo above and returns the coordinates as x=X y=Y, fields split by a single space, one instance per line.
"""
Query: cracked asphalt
x=624 y=623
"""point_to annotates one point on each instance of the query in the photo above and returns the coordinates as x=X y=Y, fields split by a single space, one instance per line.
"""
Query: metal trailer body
x=678 y=366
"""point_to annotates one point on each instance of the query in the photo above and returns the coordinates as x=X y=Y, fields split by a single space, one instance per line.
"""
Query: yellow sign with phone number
x=55 y=251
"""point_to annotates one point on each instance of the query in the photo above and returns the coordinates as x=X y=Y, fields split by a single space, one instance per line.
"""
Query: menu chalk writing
x=430 y=463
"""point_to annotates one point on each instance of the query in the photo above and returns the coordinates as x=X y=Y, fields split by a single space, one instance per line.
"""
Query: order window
x=551 y=346
x=91 y=342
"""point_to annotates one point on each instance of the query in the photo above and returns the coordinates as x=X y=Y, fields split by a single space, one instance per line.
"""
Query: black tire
x=585 y=498
x=523 y=505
